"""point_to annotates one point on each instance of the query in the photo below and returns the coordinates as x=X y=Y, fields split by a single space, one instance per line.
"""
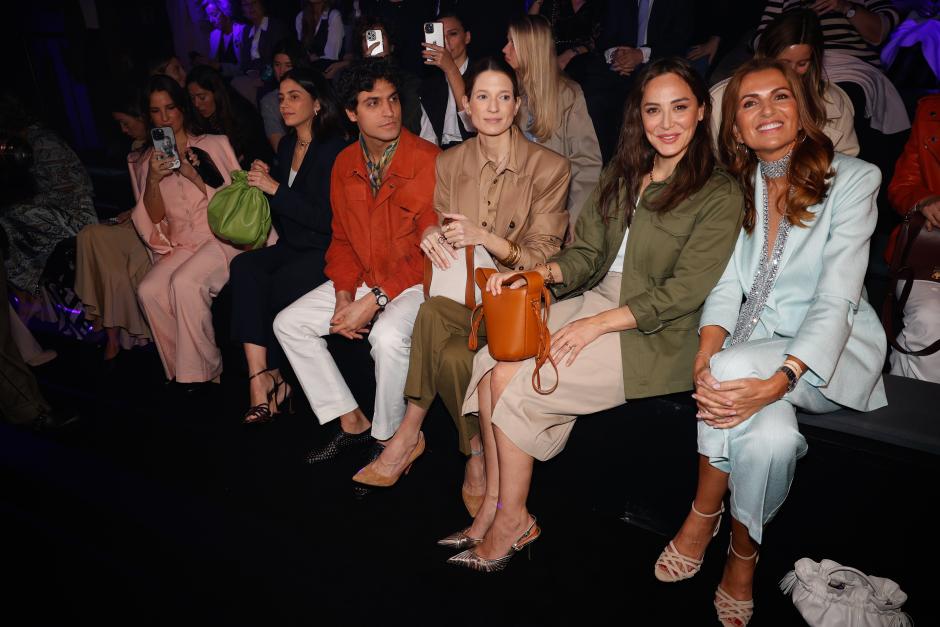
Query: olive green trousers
x=441 y=363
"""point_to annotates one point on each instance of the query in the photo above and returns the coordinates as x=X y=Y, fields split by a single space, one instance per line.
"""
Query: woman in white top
x=796 y=38
x=265 y=281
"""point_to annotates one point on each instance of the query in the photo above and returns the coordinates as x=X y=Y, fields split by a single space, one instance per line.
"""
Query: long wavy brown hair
x=810 y=160
x=634 y=157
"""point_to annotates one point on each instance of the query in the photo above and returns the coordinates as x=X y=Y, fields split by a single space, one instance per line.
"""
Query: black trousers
x=263 y=283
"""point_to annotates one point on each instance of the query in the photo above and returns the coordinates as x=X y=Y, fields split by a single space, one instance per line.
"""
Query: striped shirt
x=838 y=32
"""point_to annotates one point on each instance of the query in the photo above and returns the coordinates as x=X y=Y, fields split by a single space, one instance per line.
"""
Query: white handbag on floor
x=828 y=594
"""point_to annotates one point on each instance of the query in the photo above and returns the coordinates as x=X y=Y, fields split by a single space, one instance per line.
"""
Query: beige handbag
x=456 y=282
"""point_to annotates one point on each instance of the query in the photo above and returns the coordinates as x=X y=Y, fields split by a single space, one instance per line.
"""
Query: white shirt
x=334 y=39
x=451 y=130
x=291 y=177
x=640 y=40
x=617 y=265
x=255 y=34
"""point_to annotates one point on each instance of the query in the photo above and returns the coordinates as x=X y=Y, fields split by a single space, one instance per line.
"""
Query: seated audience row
x=742 y=279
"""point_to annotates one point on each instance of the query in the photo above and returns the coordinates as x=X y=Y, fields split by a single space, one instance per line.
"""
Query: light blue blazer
x=818 y=301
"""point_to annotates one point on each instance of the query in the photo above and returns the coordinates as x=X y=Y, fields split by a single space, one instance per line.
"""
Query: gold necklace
x=304 y=144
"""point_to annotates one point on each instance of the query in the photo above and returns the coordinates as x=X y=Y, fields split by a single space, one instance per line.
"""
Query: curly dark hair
x=361 y=76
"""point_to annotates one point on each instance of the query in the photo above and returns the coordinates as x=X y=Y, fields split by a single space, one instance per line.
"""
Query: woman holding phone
x=499 y=191
x=190 y=263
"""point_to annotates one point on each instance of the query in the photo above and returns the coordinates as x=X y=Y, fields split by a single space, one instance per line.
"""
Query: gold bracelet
x=514 y=254
x=550 y=279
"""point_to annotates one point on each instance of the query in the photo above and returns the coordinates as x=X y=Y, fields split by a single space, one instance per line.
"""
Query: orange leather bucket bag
x=516 y=323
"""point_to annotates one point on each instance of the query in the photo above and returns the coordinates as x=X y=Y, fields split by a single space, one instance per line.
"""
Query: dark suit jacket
x=301 y=213
x=275 y=32
x=668 y=33
x=434 y=90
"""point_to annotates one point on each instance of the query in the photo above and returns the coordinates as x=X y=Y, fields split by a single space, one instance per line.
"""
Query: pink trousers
x=176 y=295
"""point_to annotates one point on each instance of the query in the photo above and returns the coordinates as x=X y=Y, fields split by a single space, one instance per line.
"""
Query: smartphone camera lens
x=370 y=35
x=429 y=28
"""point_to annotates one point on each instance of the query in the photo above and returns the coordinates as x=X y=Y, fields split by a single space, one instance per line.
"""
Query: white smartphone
x=375 y=36
x=165 y=141
x=434 y=33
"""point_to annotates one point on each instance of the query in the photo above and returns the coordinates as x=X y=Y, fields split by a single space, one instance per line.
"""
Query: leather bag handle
x=540 y=300
x=902 y=271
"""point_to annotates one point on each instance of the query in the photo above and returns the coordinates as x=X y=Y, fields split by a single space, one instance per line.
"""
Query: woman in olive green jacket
x=628 y=325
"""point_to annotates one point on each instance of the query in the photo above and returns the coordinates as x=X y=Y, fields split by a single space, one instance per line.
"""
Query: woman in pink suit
x=190 y=263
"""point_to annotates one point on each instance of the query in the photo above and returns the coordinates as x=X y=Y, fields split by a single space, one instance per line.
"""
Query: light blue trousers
x=760 y=453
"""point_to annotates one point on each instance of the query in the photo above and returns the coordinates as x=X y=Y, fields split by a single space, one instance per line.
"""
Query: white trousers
x=301 y=327
x=921 y=329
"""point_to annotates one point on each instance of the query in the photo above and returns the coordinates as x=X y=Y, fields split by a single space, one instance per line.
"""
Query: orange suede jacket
x=917 y=173
x=376 y=239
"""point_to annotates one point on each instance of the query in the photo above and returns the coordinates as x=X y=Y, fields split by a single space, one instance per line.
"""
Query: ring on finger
x=441 y=238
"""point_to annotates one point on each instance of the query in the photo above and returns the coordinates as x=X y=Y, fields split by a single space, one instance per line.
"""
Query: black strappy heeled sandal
x=261 y=412
x=288 y=397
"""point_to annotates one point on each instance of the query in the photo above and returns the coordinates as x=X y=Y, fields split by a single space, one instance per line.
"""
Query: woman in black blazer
x=265 y=281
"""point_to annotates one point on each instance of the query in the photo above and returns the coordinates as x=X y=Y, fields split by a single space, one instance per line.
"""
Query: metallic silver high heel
x=469 y=558
x=460 y=541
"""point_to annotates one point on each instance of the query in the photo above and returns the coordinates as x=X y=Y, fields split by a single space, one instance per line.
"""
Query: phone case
x=434 y=33
x=373 y=36
x=207 y=169
x=165 y=141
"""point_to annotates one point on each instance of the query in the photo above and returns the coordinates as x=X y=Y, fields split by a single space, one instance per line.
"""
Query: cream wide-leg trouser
x=301 y=327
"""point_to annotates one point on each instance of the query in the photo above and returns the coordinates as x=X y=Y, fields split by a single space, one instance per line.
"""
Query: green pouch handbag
x=240 y=214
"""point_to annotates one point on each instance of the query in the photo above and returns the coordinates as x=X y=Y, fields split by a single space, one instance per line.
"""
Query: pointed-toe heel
x=473 y=502
x=371 y=477
x=469 y=558
x=672 y=566
x=459 y=541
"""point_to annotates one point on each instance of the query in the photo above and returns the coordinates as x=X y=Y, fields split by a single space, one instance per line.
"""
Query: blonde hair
x=539 y=77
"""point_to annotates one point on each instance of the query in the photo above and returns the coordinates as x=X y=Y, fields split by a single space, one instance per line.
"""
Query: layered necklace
x=769 y=264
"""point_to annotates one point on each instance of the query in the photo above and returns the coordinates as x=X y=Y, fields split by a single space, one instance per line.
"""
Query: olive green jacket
x=673 y=260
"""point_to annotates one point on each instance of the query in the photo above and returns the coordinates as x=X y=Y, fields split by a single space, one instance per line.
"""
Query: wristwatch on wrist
x=380 y=298
x=791 y=377
x=850 y=12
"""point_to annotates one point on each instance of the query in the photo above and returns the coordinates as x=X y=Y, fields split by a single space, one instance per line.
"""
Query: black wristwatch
x=380 y=298
x=791 y=377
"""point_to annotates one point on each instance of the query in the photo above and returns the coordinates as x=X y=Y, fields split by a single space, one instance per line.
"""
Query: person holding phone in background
x=442 y=91
x=190 y=264
x=377 y=41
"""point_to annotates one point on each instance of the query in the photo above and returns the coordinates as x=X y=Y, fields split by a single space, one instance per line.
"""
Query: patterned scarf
x=377 y=170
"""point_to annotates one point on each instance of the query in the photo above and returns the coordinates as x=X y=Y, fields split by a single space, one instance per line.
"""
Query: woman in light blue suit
x=805 y=337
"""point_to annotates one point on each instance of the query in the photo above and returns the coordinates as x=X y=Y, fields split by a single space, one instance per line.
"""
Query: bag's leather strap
x=545 y=342
x=469 y=294
x=475 y=318
x=901 y=271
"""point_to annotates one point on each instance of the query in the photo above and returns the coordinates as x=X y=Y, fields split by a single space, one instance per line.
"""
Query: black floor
x=159 y=511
